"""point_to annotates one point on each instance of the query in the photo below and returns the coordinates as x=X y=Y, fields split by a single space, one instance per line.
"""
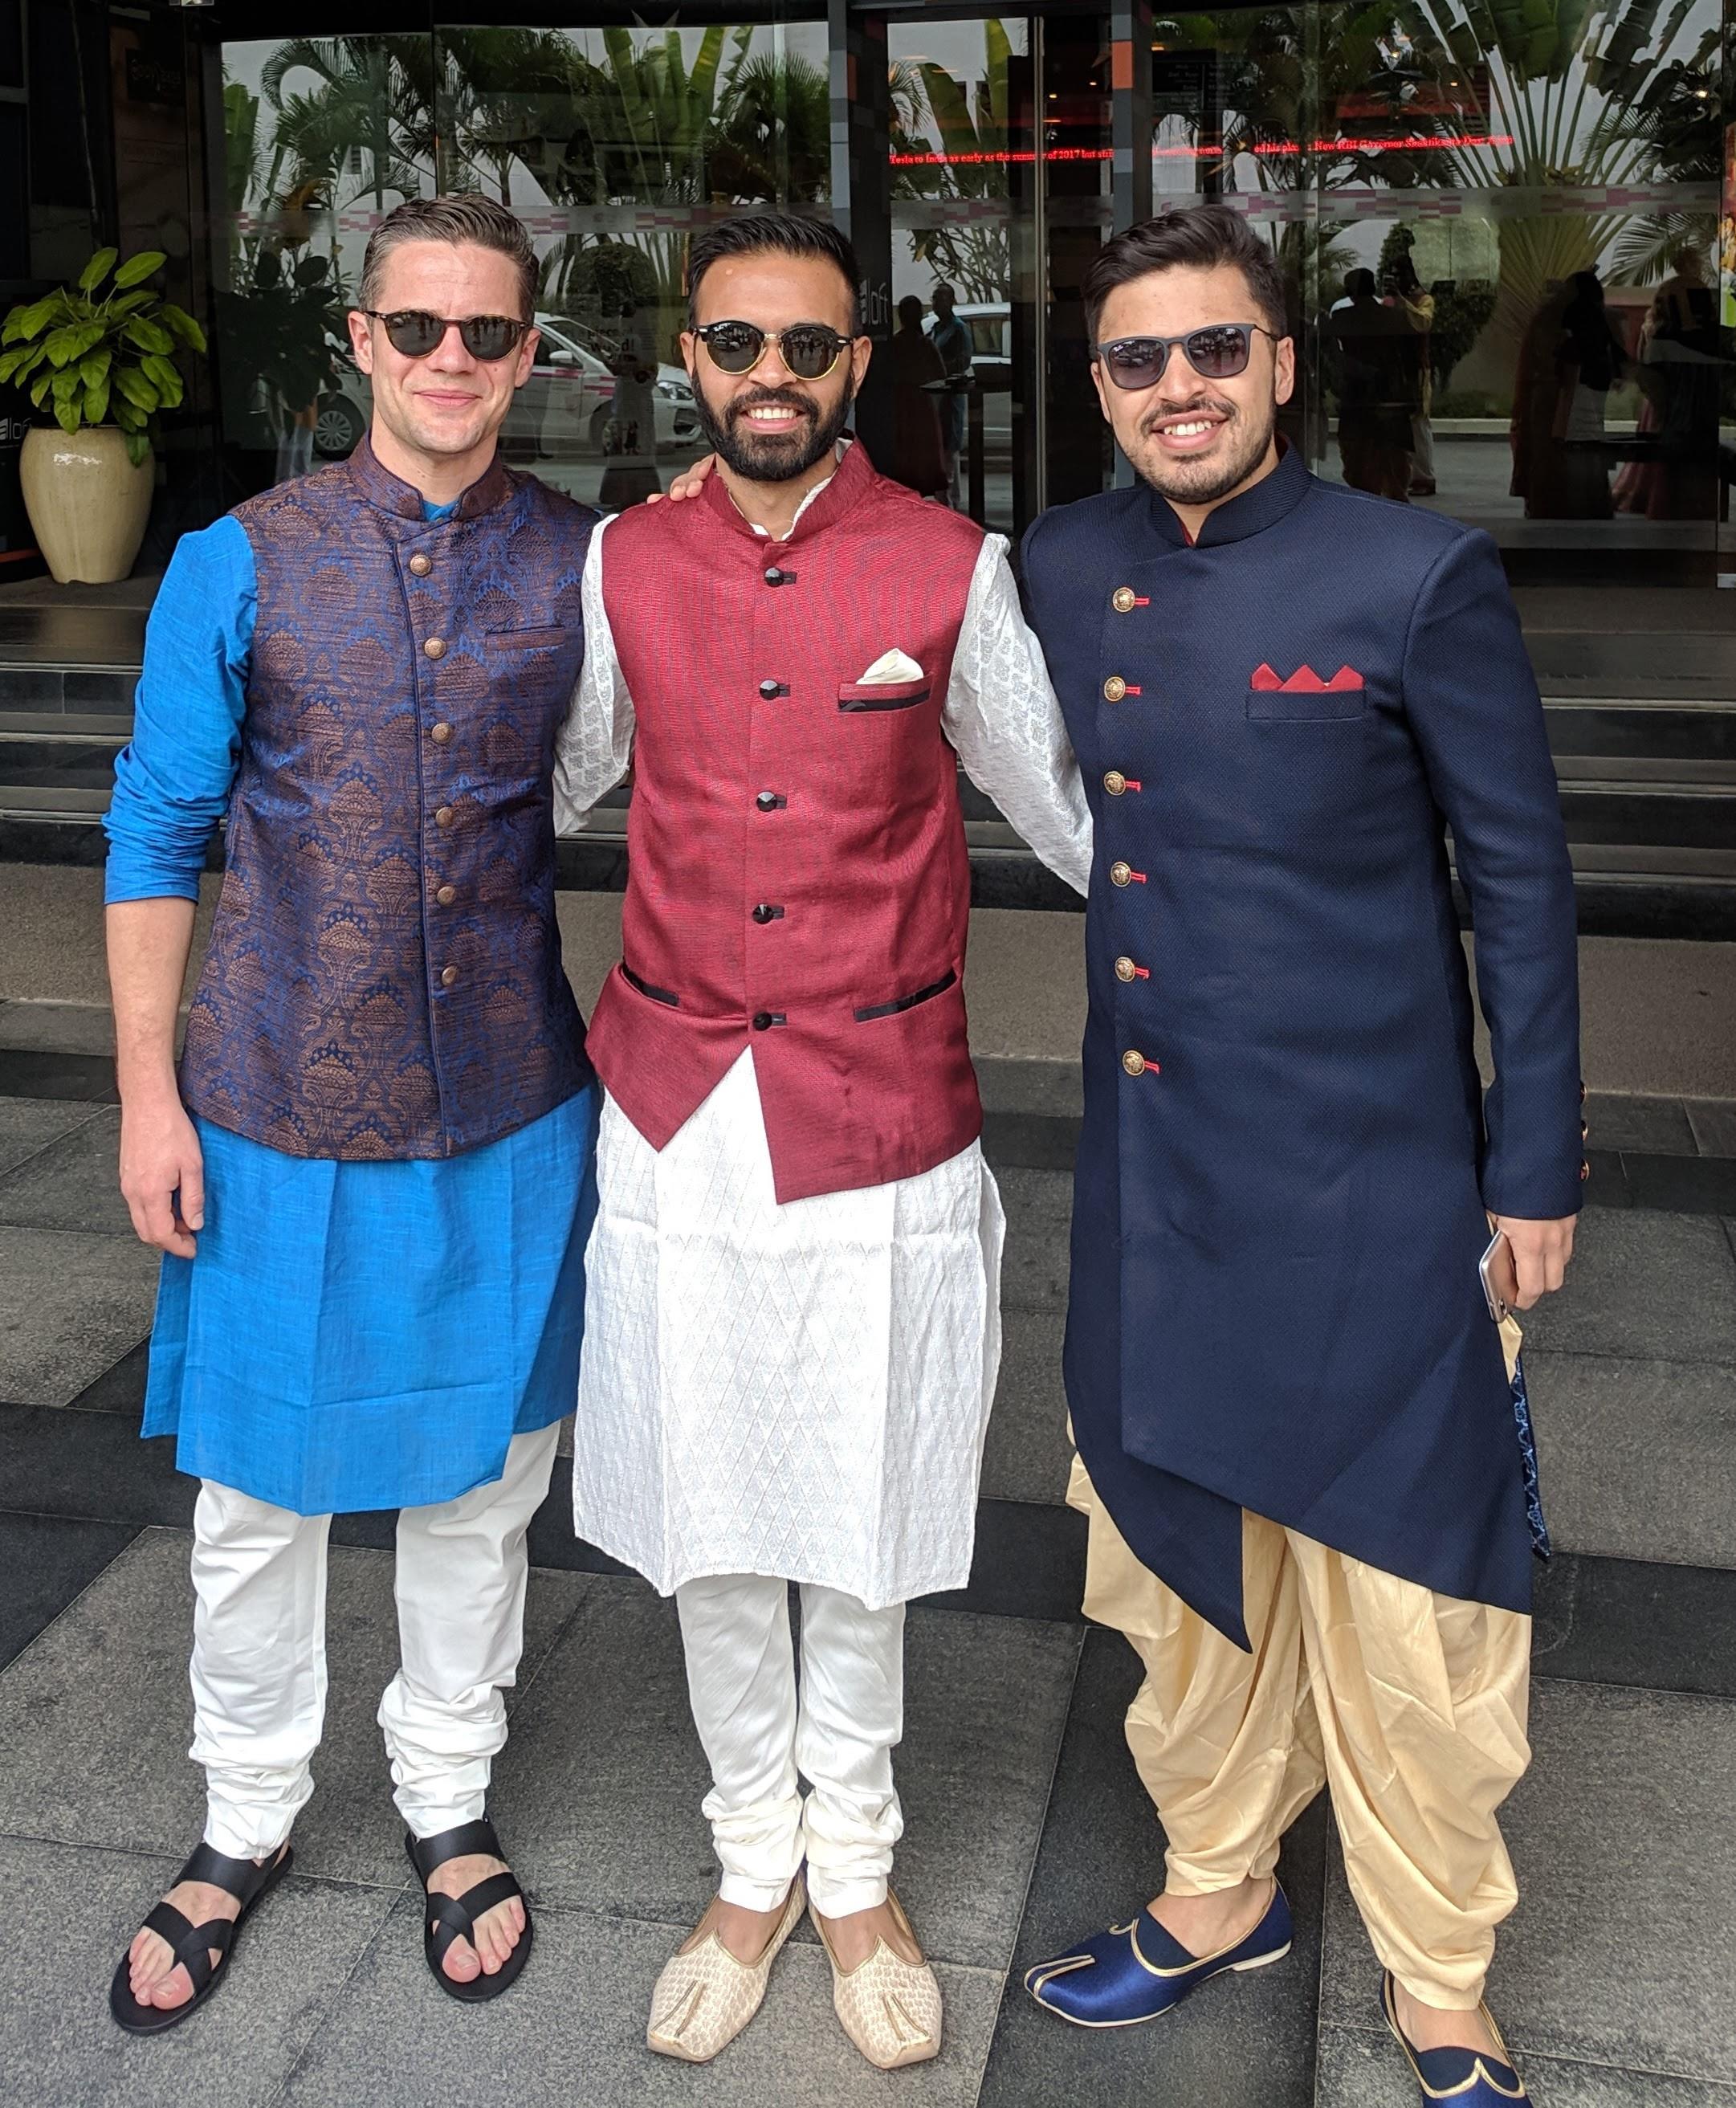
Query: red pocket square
x=1264 y=678
x=1304 y=682
x=1347 y=677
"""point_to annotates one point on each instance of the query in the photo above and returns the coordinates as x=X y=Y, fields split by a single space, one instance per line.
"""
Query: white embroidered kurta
x=802 y=1390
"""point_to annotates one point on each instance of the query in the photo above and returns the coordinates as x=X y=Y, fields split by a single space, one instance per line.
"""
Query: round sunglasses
x=810 y=350
x=415 y=333
x=1216 y=352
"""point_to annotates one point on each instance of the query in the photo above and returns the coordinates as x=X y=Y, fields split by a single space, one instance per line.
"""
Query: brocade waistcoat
x=798 y=877
x=384 y=977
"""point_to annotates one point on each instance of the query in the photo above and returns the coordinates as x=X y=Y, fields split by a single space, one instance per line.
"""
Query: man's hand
x=162 y=1165
x=1540 y=1252
x=689 y=484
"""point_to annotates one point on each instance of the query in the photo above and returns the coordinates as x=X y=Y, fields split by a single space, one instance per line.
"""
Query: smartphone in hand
x=1500 y=1278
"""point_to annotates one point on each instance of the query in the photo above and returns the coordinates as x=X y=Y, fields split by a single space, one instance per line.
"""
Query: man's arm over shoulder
x=1006 y=726
x=1473 y=705
x=596 y=739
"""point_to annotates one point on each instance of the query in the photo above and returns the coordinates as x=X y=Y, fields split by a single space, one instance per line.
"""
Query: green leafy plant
x=102 y=360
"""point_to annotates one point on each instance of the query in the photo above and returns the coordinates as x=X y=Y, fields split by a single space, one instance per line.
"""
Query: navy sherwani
x=1286 y=1154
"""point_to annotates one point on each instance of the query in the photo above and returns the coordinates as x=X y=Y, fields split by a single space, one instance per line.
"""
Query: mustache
x=1165 y=412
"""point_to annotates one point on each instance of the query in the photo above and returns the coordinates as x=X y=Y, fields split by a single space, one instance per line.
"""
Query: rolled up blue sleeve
x=172 y=780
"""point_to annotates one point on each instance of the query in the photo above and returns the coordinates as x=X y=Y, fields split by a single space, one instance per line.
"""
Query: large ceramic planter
x=88 y=503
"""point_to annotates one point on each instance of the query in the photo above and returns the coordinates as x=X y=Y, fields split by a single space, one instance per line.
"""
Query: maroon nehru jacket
x=799 y=879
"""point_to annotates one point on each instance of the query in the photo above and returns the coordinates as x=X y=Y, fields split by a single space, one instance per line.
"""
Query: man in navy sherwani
x=1304 y=1452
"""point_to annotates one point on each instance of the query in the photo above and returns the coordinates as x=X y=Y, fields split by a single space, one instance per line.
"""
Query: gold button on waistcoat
x=1133 y=1062
x=435 y=648
x=1114 y=688
x=440 y=733
x=446 y=895
x=448 y=974
x=1121 y=874
x=1115 y=783
x=444 y=816
x=1122 y=600
x=422 y=565
x=1124 y=968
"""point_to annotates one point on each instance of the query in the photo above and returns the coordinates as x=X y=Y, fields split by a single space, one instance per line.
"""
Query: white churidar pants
x=258 y=1668
x=759 y=1735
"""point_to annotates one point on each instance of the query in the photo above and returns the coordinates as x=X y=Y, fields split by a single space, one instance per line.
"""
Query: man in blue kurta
x=1305 y=1459
x=371 y=1178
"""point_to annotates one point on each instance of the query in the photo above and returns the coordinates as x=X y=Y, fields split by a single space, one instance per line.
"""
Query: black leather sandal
x=454 y=1917
x=193 y=1944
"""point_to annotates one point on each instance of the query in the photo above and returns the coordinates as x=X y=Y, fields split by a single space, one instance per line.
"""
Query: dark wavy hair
x=1203 y=236
x=777 y=233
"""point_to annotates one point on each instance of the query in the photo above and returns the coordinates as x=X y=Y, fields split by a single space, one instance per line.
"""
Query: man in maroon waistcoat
x=370 y=1177
x=795 y=1273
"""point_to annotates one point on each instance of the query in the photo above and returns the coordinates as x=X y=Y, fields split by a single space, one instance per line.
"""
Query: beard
x=1242 y=446
x=772 y=458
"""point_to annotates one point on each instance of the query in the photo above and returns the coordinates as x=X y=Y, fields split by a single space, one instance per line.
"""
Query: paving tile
x=47 y=1560
x=57 y=1027
x=1244 y=2040
x=1620 y=1120
x=602 y=1783
x=1637 y=1459
x=1032 y=1142
x=120 y=1389
x=1055 y=1089
x=1645 y=1284
x=1039 y=1218
x=1683 y=1185
x=1662 y=1627
x=64 y=1462
x=30 y=1072
x=71 y=1913
x=570 y=2034
x=1623 y=1948
x=1027 y=1455
x=1369 y=2070
x=1029 y=1562
x=1714 y=1123
x=71 y=1304
x=96 y=1717
x=73 y=1184
x=28 y=1126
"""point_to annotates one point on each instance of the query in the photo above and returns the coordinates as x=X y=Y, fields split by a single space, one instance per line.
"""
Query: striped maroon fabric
x=798 y=873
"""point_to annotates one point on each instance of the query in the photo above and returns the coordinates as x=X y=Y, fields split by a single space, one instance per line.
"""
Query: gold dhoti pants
x=1410 y=1706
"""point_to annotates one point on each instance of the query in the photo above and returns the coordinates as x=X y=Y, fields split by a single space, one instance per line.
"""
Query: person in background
x=917 y=460
x=1416 y=303
x=950 y=337
x=371 y=1177
x=1376 y=388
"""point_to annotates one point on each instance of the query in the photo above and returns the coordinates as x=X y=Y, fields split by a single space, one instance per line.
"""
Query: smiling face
x=1195 y=441
x=769 y=426
x=449 y=405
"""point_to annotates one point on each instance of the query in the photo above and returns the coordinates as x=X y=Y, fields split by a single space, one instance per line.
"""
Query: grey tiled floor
x=1025 y=1824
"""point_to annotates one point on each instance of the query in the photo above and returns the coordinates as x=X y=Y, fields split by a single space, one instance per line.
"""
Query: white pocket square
x=893 y=665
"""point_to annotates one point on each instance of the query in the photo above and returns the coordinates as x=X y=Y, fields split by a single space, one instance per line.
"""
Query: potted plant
x=102 y=368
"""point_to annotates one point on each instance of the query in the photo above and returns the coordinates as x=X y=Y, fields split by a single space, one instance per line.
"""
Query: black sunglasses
x=809 y=350
x=415 y=333
x=1217 y=352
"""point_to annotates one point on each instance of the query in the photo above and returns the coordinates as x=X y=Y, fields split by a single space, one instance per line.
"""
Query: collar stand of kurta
x=847 y=482
x=392 y=494
x=1272 y=499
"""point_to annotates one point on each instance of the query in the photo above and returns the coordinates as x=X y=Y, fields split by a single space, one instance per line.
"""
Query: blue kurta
x=350 y=1334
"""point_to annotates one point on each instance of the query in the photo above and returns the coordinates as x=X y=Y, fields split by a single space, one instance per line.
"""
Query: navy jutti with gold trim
x=1287 y=1153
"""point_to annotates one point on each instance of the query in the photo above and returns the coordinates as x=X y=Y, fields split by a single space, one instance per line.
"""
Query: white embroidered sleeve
x=1005 y=725
x=595 y=742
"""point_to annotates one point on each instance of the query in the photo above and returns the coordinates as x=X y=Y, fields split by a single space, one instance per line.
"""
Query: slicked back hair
x=1199 y=235
x=465 y=216
x=774 y=233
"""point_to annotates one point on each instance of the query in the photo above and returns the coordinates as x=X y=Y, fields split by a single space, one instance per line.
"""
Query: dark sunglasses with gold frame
x=414 y=333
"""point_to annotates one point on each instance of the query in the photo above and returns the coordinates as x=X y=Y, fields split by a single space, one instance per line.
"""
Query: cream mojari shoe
x=889 y=2007
x=705 y=1996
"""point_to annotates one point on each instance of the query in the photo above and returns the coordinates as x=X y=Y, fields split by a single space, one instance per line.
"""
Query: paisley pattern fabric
x=385 y=978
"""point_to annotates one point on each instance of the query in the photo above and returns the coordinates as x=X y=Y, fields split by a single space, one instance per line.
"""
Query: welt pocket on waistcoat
x=906 y=1001
x=856 y=695
x=546 y=638
x=1307 y=705
x=644 y=988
